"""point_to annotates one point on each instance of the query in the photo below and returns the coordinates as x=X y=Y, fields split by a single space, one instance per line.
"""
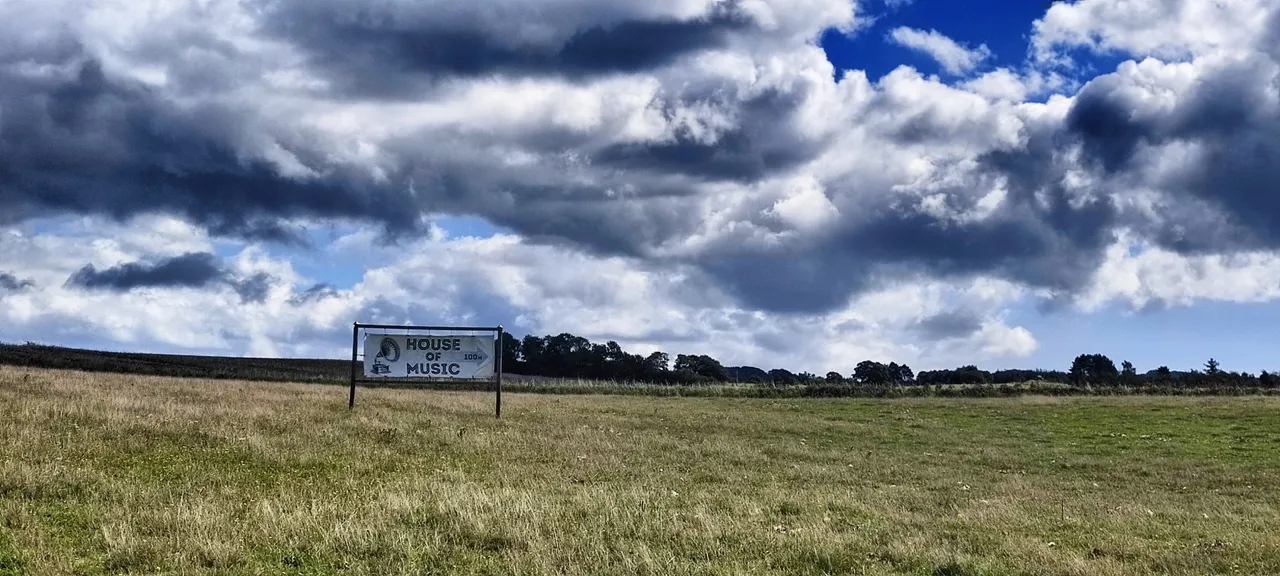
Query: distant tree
x=702 y=367
x=1019 y=376
x=511 y=353
x=871 y=372
x=711 y=369
x=782 y=377
x=901 y=374
x=533 y=350
x=1093 y=369
x=969 y=374
x=568 y=355
x=747 y=374
x=686 y=362
x=1128 y=374
x=657 y=363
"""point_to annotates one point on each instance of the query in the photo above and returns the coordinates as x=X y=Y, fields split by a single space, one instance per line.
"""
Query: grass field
x=106 y=473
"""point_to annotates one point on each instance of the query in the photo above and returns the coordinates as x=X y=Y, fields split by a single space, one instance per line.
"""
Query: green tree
x=534 y=352
x=871 y=373
x=510 y=352
x=900 y=374
x=782 y=377
x=658 y=362
x=1093 y=369
x=1128 y=374
x=705 y=367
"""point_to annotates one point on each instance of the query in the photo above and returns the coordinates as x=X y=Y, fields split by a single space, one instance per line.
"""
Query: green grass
x=106 y=474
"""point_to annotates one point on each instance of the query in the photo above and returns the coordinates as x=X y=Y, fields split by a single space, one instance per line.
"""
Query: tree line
x=569 y=356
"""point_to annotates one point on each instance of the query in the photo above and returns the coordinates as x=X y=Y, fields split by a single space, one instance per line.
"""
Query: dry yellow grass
x=111 y=473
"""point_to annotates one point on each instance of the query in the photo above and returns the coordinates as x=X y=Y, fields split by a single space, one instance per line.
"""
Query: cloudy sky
x=783 y=183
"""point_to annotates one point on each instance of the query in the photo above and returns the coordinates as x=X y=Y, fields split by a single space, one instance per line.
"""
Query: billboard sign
x=435 y=357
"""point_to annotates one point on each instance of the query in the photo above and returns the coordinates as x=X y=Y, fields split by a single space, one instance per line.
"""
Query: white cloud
x=954 y=58
x=806 y=206
x=210 y=319
x=437 y=280
x=1162 y=29
x=1142 y=275
x=1010 y=86
x=678 y=311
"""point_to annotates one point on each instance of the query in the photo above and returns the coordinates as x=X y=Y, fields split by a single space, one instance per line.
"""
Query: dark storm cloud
x=396 y=55
x=603 y=228
x=11 y=283
x=618 y=214
x=1037 y=237
x=88 y=144
x=254 y=288
x=793 y=281
x=1222 y=200
x=190 y=270
x=760 y=144
x=318 y=291
x=951 y=324
x=1106 y=131
x=1056 y=246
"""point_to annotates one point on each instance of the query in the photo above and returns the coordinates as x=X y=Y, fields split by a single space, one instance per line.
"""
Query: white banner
x=444 y=357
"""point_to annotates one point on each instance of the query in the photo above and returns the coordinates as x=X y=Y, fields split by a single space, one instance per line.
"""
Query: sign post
x=412 y=355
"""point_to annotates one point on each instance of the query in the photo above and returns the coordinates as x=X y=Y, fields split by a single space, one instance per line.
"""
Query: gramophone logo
x=387 y=350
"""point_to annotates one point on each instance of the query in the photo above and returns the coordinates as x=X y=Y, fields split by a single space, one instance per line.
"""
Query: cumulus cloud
x=522 y=285
x=700 y=155
x=1145 y=276
x=954 y=58
x=1165 y=29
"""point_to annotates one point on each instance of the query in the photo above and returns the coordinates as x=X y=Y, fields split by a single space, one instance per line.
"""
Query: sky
x=799 y=184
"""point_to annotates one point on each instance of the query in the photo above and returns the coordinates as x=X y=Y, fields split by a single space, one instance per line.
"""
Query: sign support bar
x=355 y=330
x=497 y=366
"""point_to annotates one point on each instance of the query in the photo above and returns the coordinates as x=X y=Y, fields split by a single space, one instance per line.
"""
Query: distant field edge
x=337 y=372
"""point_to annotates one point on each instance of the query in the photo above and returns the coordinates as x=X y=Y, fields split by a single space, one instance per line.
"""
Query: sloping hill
x=275 y=369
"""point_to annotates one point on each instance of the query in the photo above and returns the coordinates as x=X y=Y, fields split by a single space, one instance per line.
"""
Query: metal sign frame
x=356 y=357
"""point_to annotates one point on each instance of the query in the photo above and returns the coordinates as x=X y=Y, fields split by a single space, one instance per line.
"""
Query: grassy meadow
x=109 y=473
